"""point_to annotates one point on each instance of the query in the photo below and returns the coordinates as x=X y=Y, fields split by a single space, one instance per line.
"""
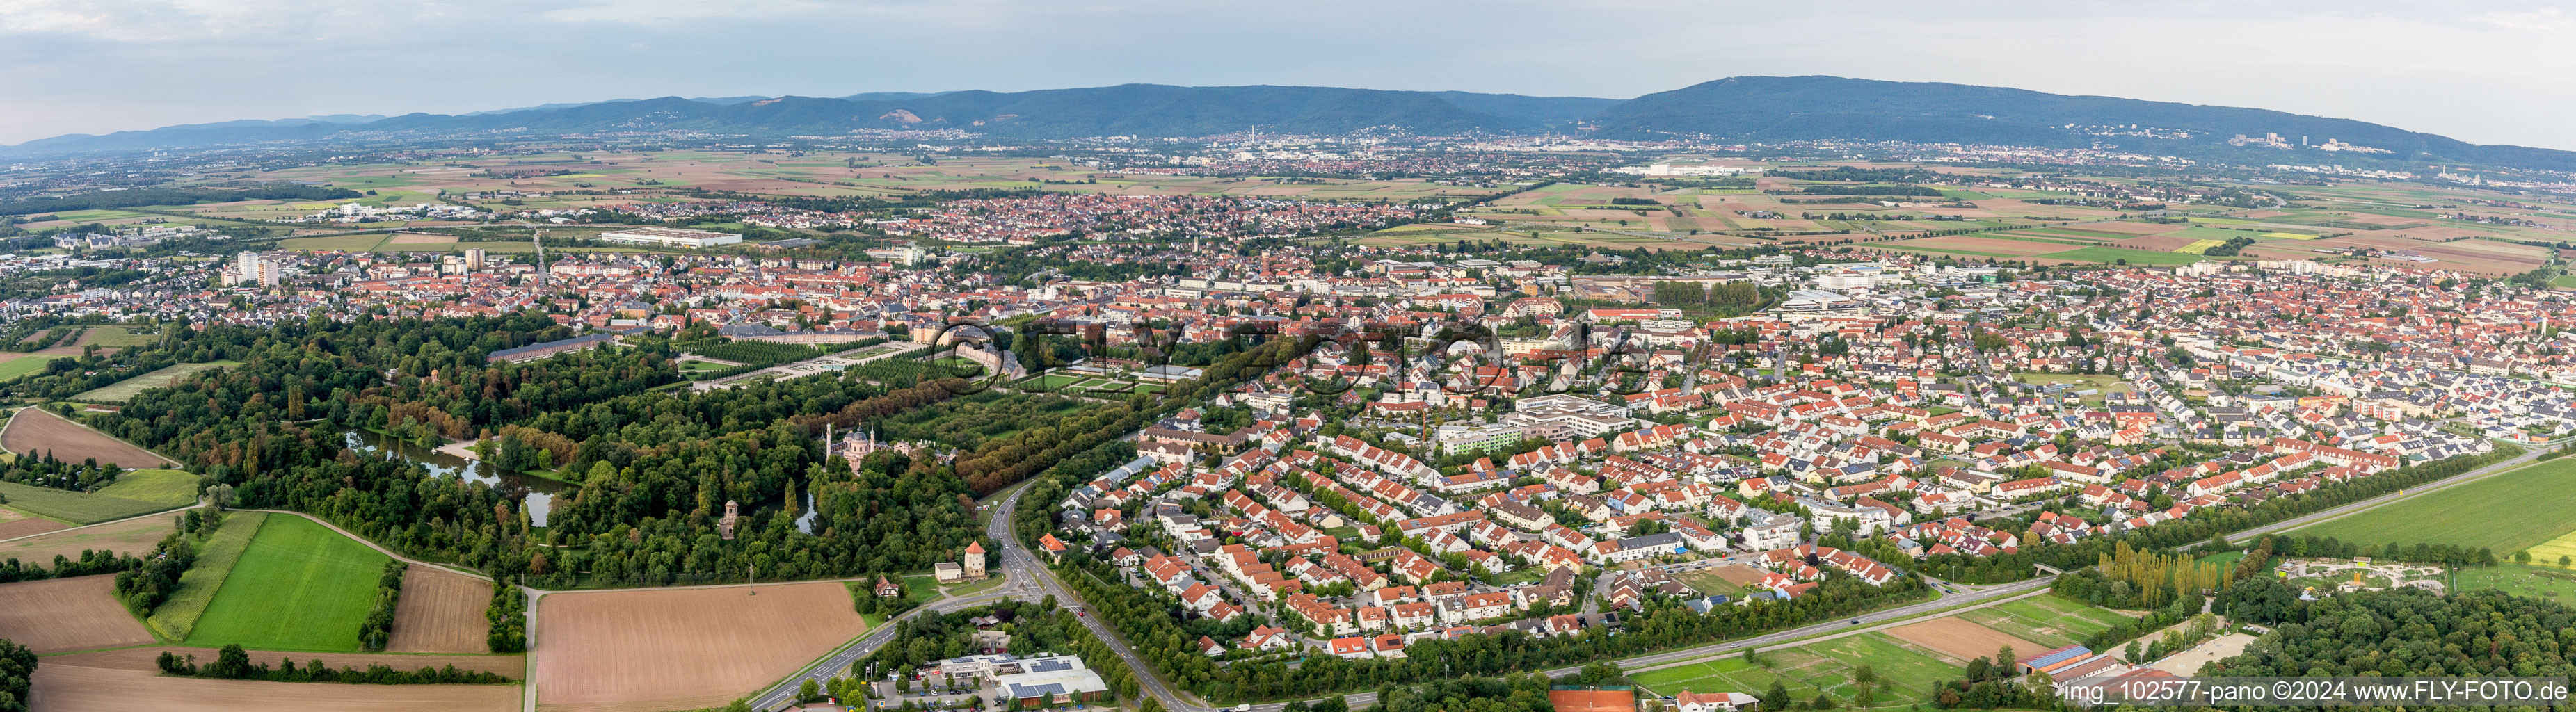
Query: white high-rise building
x=255 y=269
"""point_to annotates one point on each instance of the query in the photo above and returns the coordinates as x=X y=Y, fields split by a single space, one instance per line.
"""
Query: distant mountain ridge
x=1751 y=109
x=1818 y=107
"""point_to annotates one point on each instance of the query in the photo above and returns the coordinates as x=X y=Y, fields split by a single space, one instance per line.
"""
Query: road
x=2300 y=521
x=838 y=663
x=1023 y=565
x=1032 y=579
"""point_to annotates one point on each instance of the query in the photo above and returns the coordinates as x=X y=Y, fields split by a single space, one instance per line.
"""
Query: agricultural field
x=172 y=487
x=216 y=557
x=13 y=366
x=15 y=524
x=76 y=507
x=2047 y=620
x=119 y=391
x=36 y=430
x=2490 y=513
x=300 y=586
x=134 y=536
x=441 y=611
x=1907 y=673
x=127 y=679
x=77 y=613
x=701 y=647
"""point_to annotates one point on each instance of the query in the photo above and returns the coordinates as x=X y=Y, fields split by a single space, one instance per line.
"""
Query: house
x=1689 y=701
x=1266 y=638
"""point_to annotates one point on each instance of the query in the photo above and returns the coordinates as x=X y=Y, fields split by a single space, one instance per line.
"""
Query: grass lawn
x=920 y=588
x=2103 y=382
x=2520 y=580
x=76 y=507
x=1906 y=673
x=2047 y=620
x=300 y=587
x=172 y=487
x=2495 y=513
x=1711 y=584
x=23 y=365
x=2226 y=559
x=119 y=391
x=969 y=589
x=215 y=560
x=122 y=336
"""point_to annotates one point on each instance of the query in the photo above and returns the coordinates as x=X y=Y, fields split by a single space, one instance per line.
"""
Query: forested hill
x=1807 y=108
x=1750 y=109
x=1129 y=109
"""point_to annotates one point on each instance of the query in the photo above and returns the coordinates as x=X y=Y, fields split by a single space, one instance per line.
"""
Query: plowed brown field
x=441 y=611
x=126 y=679
x=68 y=614
x=681 y=649
x=36 y=430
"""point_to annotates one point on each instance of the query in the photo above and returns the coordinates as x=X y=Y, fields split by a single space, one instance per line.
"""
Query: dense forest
x=650 y=471
x=2407 y=631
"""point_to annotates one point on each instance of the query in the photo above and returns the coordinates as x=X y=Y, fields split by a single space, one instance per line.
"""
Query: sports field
x=2502 y=513
x=1906 y=673
x=2548 y=582
x=2047 y=620
x=300 y=586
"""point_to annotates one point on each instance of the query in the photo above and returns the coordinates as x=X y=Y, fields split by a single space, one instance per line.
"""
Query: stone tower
x=975 y=559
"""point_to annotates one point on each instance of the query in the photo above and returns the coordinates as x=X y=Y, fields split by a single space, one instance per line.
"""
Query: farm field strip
x=75 y=507
x=76 y=682
x=79 y=613
x=441 y=611
x=135 y=536
x=709 y=645
x=327 y=580
x=121 y=391
x=36 y=430
x=2491 y=513
x=178 y=616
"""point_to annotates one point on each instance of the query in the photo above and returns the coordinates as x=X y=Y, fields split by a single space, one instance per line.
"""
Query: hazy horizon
x=2485 y=73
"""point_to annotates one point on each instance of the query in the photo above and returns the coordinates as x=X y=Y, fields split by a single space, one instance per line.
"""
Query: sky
x=2484 y=72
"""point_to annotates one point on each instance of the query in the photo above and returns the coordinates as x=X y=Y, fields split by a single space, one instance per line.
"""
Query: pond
x=536 y=494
